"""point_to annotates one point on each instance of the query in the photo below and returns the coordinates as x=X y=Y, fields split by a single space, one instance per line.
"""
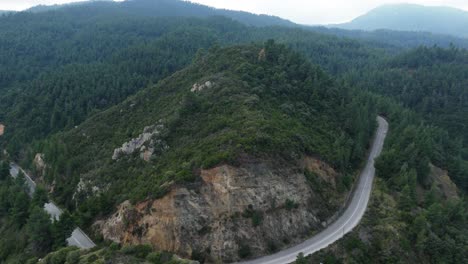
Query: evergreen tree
x=40 y=230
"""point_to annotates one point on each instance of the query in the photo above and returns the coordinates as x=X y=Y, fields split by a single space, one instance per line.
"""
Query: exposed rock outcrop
x=86 y=188
x=2 y=129
x=40 y=164
x=262 y=55
x=443 y=182
x=260 y=206
x=200 y=87
x=322 y=169
x=146 y=143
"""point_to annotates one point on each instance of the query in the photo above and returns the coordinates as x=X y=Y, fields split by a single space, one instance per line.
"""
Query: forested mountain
x=170 y=8
x=410 y=17
x=416 y=213
x=137 y=50
x=167 y=8
x=121 y=109
x=432 y=82
x=401 y=39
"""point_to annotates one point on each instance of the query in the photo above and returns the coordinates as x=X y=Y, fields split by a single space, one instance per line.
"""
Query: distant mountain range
x=176 y=8
x=172 y=8
x=410 y=17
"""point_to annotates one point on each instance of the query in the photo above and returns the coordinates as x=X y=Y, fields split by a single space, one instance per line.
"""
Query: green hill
x=246 y=104
x=80 y=74
x=409 y=17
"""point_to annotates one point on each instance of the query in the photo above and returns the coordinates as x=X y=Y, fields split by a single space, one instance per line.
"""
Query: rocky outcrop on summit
x=146 y=143
x=257 y=207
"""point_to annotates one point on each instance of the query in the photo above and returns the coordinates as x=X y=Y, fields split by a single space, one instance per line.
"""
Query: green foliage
x=39 y=197
x=301 y=259
x=139 y=251
x=259 y=112
x=255 y=215
x=73 y=257
x=77 y=83
x=432 y=82
x=290 y=204
x=4 y=170
x=244 y=251
x=62 y=229
x=39 y=230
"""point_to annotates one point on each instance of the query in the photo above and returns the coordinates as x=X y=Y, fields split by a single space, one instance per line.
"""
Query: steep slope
x=76 y=72
x=409 y=17
x=416 y=213
x=246 y=133
x=432 y=82
x=47 y=86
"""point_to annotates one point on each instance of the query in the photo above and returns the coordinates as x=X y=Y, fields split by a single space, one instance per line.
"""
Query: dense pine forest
x=223 y=87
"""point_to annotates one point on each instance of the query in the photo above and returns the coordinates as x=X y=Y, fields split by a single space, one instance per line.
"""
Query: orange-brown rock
x=229 y=208
x=322 y=169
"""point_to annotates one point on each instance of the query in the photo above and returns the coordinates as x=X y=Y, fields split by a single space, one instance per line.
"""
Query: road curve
x=348 y=220
x=78 y=237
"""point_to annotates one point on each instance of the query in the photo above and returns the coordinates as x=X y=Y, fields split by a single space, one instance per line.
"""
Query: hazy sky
x=300 y=11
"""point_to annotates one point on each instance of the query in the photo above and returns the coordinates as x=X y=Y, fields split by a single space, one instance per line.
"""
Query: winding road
x=347 y=221
x=343 y=225
x=78 y=237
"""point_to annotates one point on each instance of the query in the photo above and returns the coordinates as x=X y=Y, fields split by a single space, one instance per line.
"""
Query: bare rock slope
x=231 y=213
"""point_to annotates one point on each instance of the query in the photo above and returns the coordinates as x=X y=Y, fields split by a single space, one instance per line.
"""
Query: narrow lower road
x=78 y=237
x=350 y=218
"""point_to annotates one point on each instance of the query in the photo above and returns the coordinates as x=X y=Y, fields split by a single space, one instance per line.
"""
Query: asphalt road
x=14 y=171
x=348 y=220
x=78 y=237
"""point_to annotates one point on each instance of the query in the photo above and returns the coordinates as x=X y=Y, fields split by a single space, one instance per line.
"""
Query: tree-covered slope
x=433 y=83
x=60 y=92
x=166 y=8
x=416 y=213
x=251 y=100
x=58 y=52
x=395 y=38
x=409 y=17
x=47 y=86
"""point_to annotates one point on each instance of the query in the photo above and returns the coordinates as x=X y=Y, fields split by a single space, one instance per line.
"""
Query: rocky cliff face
x=232 y=212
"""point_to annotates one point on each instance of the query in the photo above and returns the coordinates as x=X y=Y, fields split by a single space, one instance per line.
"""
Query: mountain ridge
x=171 y=8
x=412 y=17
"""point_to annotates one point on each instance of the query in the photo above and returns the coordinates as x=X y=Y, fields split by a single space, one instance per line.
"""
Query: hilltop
x=257 y=116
